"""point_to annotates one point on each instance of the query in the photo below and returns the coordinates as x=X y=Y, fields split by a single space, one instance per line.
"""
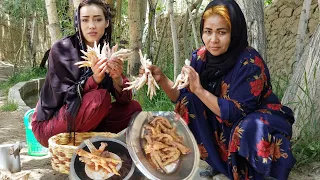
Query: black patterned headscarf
x=218 y=66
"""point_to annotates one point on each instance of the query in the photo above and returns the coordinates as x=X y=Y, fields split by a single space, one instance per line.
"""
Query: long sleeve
x=243 y=93
x=125 y=96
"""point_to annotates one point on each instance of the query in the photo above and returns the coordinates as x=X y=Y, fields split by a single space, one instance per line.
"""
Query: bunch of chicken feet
x=146 y=78
x=95 y=53
x=182 y=79
x=163 y=145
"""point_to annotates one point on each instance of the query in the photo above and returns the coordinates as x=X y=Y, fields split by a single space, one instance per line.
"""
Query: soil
x=12 y=130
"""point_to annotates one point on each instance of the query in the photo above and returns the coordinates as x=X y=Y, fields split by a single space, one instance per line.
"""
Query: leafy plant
x=306 y=150
x=267 y=2
x=18 y=9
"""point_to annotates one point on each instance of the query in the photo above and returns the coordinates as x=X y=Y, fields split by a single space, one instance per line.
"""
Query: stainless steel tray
x=187 y=163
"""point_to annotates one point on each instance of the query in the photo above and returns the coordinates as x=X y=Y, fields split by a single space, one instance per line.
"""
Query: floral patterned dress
x=251 y=139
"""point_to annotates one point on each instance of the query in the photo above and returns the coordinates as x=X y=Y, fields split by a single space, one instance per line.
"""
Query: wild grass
x=9 y=106
x=306 y=147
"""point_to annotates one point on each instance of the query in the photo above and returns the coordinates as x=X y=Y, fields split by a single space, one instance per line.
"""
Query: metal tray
x=187 y=165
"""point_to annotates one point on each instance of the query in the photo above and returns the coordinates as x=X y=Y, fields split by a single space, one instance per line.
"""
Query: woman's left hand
x=193 y=77
x=115 y=68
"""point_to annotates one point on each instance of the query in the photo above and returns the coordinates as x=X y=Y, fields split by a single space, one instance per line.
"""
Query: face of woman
x=216 y=35
x=93 y=23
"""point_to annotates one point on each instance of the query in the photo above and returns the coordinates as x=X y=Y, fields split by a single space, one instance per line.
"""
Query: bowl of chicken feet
x=162 y=146
x=101 y=158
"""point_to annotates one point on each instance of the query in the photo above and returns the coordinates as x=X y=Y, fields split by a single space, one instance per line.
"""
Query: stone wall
x=281 y=22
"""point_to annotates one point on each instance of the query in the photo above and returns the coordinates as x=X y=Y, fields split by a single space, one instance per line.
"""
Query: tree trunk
x=2 y=46
x=187 y=49
x=192 y=24
x=186 y=35
x=303 y=92
x=174 y=39
x=71 y=8
x=253 y=12
x=151 y=30
x=135 y=35
x=54 y=27
x=33 y=40
x=117 y=30
x=19 y=53
x=76 y=3
x=118 y=13
x=303 y=24
x=319 y=7
x=161 y=40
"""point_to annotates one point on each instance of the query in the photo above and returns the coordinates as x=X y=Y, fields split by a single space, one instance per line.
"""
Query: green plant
x=267 y=2
x=306 y=150
x=9 y=106
x=18 y=9
x=279 y=85
x=159 y=102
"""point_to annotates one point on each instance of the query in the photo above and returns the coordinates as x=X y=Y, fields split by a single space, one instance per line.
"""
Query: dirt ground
x=12 y=130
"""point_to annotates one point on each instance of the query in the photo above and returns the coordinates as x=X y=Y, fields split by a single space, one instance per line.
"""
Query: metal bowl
x=77 y=168
x=187 y=164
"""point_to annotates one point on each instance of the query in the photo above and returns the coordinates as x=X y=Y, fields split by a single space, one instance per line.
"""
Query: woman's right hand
x=99 y=68
x=155 y=71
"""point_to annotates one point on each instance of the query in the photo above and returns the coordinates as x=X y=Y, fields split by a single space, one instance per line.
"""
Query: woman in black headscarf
x=241 y=127
x=76 y=99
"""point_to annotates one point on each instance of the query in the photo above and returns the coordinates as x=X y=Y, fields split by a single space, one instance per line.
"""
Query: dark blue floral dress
x=251 y=139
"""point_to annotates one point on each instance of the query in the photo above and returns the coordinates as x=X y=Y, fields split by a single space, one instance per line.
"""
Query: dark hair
x=106 y=11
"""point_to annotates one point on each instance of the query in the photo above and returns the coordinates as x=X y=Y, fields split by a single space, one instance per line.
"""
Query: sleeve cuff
x=90 y=84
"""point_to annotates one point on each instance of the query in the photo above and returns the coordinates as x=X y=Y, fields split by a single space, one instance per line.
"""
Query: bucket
x=34 y=147
x=10 y=157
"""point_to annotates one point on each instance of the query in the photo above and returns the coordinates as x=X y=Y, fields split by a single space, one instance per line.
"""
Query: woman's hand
x=115 y=68
x=155 y=71
x=194 y=80
x=98 y=68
